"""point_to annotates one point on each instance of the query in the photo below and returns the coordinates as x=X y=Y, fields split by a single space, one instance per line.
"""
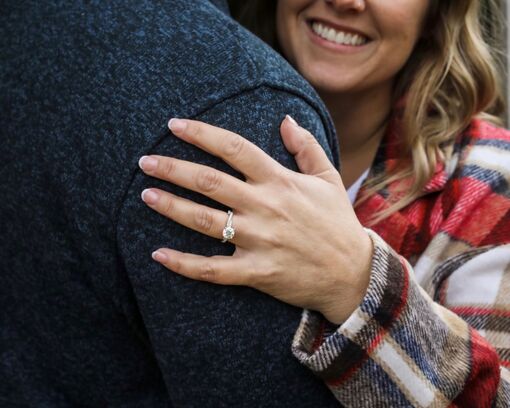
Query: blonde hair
x=450 y=78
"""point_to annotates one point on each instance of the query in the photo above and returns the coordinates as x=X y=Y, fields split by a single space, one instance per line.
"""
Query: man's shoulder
x=101 y=79
x=99 y=61
x=221 y=58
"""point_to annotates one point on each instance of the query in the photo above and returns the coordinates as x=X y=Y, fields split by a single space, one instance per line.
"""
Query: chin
x=327 y=78
x=332 y=83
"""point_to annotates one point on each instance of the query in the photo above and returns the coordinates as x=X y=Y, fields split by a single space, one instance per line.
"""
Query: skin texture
x=297 y=254
x=356 y=83
x=393 y=27
x=308 y=249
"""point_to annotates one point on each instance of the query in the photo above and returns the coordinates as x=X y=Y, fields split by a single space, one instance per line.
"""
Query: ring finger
x=198 y=217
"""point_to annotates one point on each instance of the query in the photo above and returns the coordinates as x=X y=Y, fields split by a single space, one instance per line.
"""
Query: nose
x=346 y=5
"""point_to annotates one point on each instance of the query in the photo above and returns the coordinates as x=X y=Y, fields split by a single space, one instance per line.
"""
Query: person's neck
x=360 y=120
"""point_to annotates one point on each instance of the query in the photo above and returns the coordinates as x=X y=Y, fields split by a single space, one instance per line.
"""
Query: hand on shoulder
x=297 y=237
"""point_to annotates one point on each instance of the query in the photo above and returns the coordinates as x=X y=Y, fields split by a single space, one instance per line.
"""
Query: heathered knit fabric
x=86 y=317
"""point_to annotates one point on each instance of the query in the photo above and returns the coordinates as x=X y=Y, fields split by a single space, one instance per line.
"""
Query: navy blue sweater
x=86 y=317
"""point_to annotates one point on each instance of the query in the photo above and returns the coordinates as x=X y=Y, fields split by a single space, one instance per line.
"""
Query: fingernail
x=291 y=120
x=147 y=163
x=159 y=256
x=177 y=125
x=150 y=196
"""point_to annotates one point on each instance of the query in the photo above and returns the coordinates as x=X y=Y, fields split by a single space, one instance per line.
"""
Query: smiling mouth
x=337 y=36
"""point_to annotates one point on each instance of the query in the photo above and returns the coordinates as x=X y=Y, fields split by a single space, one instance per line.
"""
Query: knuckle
x=208 y=272
x=176 y=265
x=274 y=206
x=167 y=167
x=269 y=275
x=291 y=187
x=208 y=180
x=168 y=205
x=272 y=173
x=286 y=182
x=271 y=207
x=204 y=220
x=249 y=276
x=264 y=277
x=233 y=145
x=194 y=129
x=274 y=240
x=312 y=142
x=309 y=137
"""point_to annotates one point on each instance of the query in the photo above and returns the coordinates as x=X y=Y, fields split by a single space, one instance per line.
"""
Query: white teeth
x=338 y=37
x=331 y=35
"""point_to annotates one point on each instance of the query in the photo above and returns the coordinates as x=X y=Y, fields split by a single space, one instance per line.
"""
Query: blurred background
x=497 y=19
x=505 y=7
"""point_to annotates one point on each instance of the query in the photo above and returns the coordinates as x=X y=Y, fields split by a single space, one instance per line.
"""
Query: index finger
x=235 y=150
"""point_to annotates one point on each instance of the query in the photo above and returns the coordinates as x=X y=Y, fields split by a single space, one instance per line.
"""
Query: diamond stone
x=228 y=233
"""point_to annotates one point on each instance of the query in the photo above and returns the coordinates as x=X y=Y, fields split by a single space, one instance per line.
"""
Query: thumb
x=309 y=154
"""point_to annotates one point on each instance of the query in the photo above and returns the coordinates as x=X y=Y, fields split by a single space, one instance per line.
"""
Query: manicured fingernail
x=177 y=125
x=147 y=163
x=150 y=196
x=291 y=120
x=159 y=256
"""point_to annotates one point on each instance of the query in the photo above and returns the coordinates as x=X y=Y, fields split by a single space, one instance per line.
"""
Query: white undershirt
x=352 y=191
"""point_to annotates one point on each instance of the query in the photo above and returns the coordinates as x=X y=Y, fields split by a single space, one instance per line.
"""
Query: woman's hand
x=296 y=235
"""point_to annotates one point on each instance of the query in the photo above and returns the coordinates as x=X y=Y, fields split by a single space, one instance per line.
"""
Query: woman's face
x=349 y=45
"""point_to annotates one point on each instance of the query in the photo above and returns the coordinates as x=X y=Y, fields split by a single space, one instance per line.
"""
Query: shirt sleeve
x=402 y=348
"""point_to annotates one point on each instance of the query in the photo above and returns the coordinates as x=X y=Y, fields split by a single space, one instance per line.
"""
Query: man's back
x=86 y=317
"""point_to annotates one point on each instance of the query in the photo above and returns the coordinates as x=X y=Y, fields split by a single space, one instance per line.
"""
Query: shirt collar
x=390 y=154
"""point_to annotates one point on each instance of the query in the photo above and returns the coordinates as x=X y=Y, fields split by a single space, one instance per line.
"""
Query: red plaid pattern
x=434 y=327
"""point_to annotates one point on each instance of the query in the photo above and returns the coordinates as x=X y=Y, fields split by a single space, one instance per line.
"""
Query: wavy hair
x=450 y=78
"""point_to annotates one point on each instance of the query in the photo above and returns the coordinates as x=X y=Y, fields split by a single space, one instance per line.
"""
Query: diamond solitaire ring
x=228 y=231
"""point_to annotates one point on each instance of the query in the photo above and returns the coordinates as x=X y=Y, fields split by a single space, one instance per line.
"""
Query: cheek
x=288 y=13
x=403 y=20
x=401 y=28
x=285 y=15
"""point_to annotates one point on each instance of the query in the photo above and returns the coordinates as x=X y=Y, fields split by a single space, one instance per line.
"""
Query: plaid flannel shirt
x=434 y=327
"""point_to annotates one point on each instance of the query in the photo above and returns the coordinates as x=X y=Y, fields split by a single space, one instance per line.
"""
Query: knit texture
x=86 y=317
x=438 y=334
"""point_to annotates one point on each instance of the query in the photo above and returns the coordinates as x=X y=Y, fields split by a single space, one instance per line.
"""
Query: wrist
x=346 y=300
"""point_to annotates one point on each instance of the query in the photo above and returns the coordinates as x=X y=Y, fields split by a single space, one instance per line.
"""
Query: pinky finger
x=222 y=270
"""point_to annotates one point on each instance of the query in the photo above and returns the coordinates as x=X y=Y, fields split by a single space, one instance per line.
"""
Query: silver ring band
x=228 y=231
